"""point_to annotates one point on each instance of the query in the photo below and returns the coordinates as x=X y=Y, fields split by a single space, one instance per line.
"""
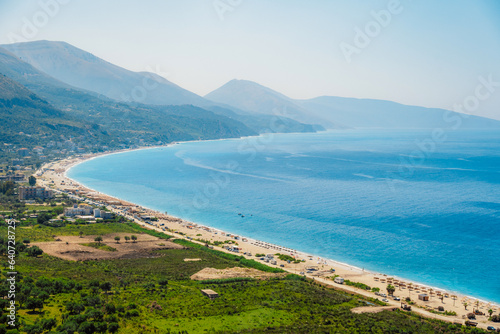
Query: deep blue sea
x=420 y=205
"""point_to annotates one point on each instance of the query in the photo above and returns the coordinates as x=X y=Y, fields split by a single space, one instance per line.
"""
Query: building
x=107 y=215
x=338 y=280
x=98 y=213
x=423 y=297
x=17 y=162
x=34 y=192
x=210 y=293
x=14 y=178
x=24 y=152
x=78 y=210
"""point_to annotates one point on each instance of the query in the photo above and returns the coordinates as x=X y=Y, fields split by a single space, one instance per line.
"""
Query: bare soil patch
x=212 y=273
x=371 y=309
x=70 y=248
x=191 y=260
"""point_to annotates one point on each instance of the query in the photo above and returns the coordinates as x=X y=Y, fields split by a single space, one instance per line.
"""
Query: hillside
x=250 y=96
x=367 y=113
x=128 y=125
x=334 y=112
x=82 y=69
x=29 y=120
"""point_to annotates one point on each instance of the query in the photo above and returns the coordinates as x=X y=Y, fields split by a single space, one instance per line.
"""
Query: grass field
x=40 y=233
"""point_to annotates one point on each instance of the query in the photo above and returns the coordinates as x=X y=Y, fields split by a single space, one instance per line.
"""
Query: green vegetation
x=98 y=245
x=285 y=257
x=357 y=285
x=242 y=261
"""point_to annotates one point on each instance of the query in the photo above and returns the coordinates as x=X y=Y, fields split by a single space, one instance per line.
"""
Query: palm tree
x=465 y=305
x=117 y=239
x=490 y=311
x=390 y=289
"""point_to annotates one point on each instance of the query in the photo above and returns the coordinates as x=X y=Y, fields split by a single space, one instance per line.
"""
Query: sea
x=423 y=205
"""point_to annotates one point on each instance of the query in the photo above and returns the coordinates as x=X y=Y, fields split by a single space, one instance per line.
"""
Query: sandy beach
x=53 y=175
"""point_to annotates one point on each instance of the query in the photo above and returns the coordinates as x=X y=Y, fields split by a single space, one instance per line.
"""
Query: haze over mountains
x=333 y=112
x=82 y=69
x=74 y=80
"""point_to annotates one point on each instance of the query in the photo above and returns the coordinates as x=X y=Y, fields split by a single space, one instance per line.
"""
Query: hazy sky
x=426 y=53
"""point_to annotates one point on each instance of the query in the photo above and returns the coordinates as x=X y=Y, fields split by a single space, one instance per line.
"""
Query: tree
x=34 y=303
x=117 y=239
x=149 y=286
x=43 y=217
x=106 y=286
x=113 y=327
x=163 y=283
x=86 y=328
x=75 y=308
x=134 y=238
x=110 y=308
x=390 y=289
x=124 y=284
x=34 y=251
x=81 y=234
x=32 y=180
x=48 y=323
x=43 y=295
x=127 y=238
x=490 y=311
x=98 y=239
x=465 y=305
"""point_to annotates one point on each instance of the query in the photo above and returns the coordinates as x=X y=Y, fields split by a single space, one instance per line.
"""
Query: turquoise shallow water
x=396 y=202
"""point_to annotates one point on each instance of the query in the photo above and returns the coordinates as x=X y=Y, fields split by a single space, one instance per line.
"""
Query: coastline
x=57 y=171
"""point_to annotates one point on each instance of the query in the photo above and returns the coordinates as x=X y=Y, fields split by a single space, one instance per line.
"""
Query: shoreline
x=372 y=278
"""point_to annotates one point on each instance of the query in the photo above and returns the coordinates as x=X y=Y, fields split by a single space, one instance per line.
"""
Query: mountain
x=29 y=120
x=49 y=67
x=335 y=112
x=368 y=113
x=82 y=69
x=250 y=96
x=127 y=125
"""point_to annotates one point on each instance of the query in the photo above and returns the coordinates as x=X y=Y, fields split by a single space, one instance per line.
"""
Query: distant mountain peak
x=84 y=70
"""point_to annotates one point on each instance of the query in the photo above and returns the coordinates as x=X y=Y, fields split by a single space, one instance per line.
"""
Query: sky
x=435 y=54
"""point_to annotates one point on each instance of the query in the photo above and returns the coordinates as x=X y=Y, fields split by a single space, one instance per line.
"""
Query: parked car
x=396 y=298
x=385 y=300
x=490 y=328
x=282 y=265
